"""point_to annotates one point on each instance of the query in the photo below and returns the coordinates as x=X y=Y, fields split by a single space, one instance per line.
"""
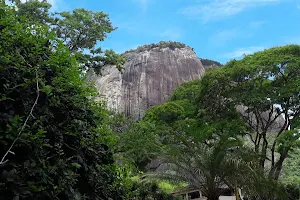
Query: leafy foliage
x=139 y=144
x=57 y=142
x=37 y=12
x=210 y=63
x=80 y=30
x=264 y=87
x=235 y=103
x=188 y=90
x=215 y=166
x=148 y=191
x=291 y=171
x=162 y=44
x=61 y=152
x=293 y=191
x=167 y=112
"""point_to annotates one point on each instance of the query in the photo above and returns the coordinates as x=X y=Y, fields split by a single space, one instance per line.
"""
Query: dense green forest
x=58 y=142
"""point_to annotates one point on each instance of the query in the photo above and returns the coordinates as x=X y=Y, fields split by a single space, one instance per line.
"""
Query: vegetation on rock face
x=162 y=44
x=210 y=63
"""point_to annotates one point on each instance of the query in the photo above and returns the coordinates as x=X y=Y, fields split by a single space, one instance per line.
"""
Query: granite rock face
x=148 y=78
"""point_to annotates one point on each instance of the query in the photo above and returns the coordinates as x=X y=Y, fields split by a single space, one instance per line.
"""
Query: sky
x=220 y=30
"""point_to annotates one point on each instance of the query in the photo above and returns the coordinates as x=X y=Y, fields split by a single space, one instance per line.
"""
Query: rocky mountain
x=149 y=76
x=210 y=63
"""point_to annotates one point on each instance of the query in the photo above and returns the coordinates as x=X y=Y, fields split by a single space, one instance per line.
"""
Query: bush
x=293 y=191
x=162 y=44
x=148 y=191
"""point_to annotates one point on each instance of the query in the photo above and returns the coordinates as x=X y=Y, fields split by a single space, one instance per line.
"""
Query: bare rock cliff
x=150 y=75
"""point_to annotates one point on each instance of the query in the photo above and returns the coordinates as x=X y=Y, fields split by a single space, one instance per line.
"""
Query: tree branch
x=284 y=127
x=4 y=160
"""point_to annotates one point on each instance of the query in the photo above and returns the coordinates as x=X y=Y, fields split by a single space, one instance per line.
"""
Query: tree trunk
x=236 y=192
x=275 y=171
x=278 y=169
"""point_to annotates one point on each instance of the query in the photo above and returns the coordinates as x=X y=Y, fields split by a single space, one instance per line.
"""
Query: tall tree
x=265 y=89
x=52 y=133
x=139 y=144
x=80 y=30
x=35 y=10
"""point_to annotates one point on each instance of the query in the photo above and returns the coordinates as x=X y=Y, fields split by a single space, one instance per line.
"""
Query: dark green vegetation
x=291 y=171
x=162 y=44
x=210 y=63
x=53 y=137
x=237 y=127
x=80 y=30
x=55 y=140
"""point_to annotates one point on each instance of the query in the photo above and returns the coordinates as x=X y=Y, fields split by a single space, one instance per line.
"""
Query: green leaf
x=76 y=165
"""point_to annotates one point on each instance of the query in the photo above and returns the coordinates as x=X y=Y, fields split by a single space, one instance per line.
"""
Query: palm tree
x=209 y=167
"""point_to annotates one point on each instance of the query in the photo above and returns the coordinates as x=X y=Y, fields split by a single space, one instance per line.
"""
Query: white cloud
x=297 y=4
x=256 y=24
x=218 y=9
x=238 y=53
x=170 y=34
x=159 y=31
x=221 y=37
x=128 y=25
x=142 y=3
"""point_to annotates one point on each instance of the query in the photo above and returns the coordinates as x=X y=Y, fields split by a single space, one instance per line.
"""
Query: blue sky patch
x=217 y=29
